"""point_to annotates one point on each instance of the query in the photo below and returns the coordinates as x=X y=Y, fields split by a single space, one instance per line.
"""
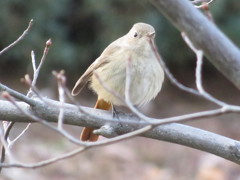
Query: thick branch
x=176 y=133
x=205 y=35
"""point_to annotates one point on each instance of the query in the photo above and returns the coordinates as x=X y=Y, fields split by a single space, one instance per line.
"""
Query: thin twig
x=4 y=142
x=127 y=93
x=198 y=73
x=107 y=88
x=61 y=80
x=77 y=151
x=44 y=122
x=199 y=54
x=44 y=163
x=7 y=130
x=147 y=128
x=204 y=3
x=78 y=105
x=86 y=145
x=14 y=93
x=45 y=52
x=27 y=81
x=172 y=79
x=20 y=135
x=205 y=8
x=195 y=116
x=18 y=95
x=33 y=61
x=127 y=100
x=19 y=39
x=31 y=83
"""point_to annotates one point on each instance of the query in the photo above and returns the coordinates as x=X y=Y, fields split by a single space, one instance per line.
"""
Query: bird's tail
x=87 y=133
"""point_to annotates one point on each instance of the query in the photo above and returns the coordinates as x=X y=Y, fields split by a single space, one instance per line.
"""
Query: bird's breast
x=146 y=78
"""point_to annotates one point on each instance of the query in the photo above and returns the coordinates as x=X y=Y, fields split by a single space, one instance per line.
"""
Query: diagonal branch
x=224 y=55
x=46 y=162
x=17 y=95
x=19 y=39
x=198 y=73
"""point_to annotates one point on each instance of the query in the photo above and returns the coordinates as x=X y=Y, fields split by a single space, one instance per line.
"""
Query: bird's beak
x=151 y=34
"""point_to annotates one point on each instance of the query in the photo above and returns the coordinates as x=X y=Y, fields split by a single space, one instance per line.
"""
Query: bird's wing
x=103 y=59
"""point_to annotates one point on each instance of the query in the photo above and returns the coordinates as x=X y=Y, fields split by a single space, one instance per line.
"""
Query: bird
x=109 y=70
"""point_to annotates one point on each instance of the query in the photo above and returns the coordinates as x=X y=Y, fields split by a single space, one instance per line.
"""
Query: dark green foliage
x=80 y=30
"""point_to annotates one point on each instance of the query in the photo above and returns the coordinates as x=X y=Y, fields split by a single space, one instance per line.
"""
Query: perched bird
x=146 y=73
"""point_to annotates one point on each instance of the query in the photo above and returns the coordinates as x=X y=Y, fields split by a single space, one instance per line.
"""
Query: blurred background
x=80 y=30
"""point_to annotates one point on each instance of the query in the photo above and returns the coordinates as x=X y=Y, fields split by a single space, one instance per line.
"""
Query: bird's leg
x=108 y=130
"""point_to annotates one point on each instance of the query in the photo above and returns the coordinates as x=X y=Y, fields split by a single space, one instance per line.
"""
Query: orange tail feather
x=87 y=133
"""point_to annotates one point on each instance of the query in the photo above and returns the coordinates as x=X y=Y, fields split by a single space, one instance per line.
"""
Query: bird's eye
x=135 y=34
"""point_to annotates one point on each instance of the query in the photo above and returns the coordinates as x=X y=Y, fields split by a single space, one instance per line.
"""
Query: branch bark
x=221 y=51
x=175 y=133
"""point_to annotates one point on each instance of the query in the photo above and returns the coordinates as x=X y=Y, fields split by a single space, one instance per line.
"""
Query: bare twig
x=203 y=3
x=82 y=110
x=20 y=135
x=19 y=39
x=61 y=80
x=37 y=119
x=46 y=162
x=77 y=151
x=127 y=93
x=127 y=100
x=33 y=61
x=79 y=106
x=119 y=138
x=7 y=143
x=31 y=84
x=219 y=49
x=18 y=95
x=205 y=8
x=37 y=70
x=4 y=142
x=7 y=129
x=181 y=86
x=166 y=132
x=172 y=79
x=117 y=95
x=141 y=127
x=5 y=150
x=170 y=132
x=27 y=80
x=199 y=54
x=195 y=116
x=14 y=93
x=113 y=140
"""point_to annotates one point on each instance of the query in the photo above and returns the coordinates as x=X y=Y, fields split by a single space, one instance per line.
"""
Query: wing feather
x=103 y=59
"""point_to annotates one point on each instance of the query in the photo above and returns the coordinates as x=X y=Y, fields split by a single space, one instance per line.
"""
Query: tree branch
x=205 y=35
x=19 y=38
x=17 y=95
x=44 y=110
x=6 y=133
x=176 y=133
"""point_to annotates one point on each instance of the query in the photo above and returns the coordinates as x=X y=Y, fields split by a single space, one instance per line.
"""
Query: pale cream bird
x=146 y=73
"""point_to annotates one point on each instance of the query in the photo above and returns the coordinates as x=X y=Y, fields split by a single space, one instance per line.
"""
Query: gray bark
x=221 y=51
x=174 y=132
